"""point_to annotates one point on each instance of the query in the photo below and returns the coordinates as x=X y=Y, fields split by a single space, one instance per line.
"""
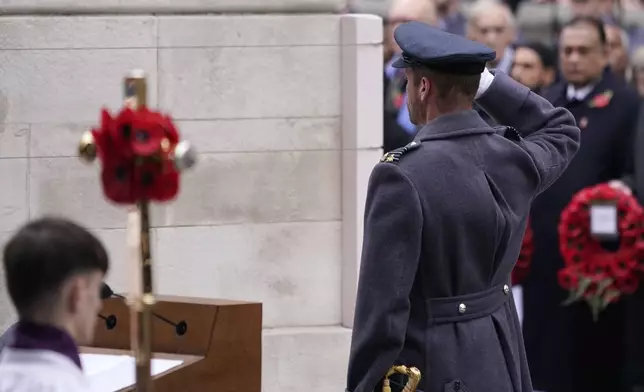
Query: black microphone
x=110 y=321
x=106 y=291
x=180 y=328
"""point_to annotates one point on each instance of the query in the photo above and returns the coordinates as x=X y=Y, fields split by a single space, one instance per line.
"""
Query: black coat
x=566 y=350
x=444 y=224
x=635 y=306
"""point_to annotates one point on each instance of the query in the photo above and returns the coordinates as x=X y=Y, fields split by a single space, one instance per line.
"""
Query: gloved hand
x=486 y=80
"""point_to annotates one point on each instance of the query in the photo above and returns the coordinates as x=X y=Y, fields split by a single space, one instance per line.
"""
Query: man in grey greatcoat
x=444 y=221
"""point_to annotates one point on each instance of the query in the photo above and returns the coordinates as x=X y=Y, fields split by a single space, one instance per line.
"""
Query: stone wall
x=285 y=112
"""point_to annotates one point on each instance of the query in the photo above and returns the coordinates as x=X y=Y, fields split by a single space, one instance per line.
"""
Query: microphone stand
x=180 y=328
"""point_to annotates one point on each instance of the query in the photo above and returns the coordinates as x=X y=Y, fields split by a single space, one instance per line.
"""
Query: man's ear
x=425 y=87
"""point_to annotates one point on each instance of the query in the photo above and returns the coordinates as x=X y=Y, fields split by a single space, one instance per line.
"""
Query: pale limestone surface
x=130 y=6
x=285 y=111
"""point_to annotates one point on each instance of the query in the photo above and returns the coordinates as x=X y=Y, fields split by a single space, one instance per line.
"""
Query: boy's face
x=83 y=305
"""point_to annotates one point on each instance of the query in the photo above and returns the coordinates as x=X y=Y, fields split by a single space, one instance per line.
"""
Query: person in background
x=54 y=270
x=534 y=66
x=567 y=351
x=450 y=16
x=618 y=50
x=492 y=23
x=606 y=11
x=633 y=183
x=398 y=129
x=601 y=9
x=637 y=70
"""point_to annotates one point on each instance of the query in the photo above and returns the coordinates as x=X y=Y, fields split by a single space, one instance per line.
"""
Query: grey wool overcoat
x=444 y=222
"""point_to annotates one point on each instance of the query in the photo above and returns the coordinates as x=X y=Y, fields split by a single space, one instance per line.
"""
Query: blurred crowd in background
x=537 y=64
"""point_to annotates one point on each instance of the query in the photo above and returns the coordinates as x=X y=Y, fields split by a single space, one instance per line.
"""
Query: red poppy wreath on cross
x=592 y=273
x=134 y=147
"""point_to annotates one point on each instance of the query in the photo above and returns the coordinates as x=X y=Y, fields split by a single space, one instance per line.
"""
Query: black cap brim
x=400 y=63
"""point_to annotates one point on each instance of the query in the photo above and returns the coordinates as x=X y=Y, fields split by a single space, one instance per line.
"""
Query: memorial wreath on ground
x=592 y=273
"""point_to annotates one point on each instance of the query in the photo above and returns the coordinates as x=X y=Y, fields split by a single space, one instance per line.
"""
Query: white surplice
x=40 y=371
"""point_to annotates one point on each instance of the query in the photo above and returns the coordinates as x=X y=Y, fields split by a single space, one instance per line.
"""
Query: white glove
x=486 y=81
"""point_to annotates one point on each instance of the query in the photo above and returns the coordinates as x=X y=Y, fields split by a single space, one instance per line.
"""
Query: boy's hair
x=42 y=255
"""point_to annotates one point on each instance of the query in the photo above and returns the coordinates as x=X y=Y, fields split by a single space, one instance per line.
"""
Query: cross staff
x=142 y=157
x=141 y=298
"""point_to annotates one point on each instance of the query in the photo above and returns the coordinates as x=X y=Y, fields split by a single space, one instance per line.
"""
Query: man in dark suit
x=567 y=351
x=444 y=221
x=633 y=183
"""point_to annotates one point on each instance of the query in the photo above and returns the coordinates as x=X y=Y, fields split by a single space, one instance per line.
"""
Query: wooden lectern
x=220 y=349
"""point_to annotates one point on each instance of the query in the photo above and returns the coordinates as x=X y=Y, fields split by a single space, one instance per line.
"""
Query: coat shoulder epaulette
x=395 y=155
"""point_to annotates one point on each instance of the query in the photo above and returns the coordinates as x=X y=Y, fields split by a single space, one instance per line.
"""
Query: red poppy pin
x=601 y=100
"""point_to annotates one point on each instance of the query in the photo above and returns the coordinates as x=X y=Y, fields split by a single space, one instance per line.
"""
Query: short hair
x=623 y=34
x=595 y=23
x=480 y=7
x=44 y=254
x=547 y=55
x=449 y=87
x=637 y=59
x=421 y=10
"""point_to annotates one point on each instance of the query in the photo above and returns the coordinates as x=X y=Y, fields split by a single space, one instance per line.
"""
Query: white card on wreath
x=603 y=220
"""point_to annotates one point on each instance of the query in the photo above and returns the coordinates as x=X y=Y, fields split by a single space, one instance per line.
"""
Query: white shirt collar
x=579 y=94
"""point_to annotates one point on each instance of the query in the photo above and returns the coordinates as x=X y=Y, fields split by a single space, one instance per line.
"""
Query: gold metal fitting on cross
x=413 y=378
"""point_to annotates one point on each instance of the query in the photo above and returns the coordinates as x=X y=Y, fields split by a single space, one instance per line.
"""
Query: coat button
x=462 y=308
x=506 y=289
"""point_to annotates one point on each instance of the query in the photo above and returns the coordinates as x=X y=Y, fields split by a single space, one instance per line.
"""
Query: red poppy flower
x=398 y=101
x=621 y=268
x=627 y=284
x=522 y=266
x=117 y=177
x=156 y=180
x=568 y=278
x=148 y=132
x=135 y=149
x=601 y=100
x=103 y=136
x=122 y=132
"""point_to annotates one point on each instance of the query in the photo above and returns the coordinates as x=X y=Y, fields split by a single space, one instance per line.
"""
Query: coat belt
x=467 y=307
